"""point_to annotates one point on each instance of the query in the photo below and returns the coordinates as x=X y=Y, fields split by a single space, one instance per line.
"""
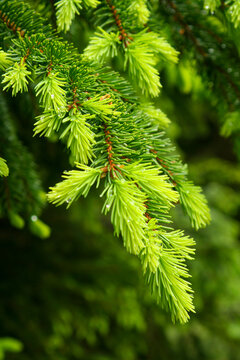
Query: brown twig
x=11 y=24
x=112 y=168
x=124 y=36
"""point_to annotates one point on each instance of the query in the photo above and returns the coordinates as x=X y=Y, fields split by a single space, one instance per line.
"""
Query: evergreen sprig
x=102 y=46
x=4 y=171
x=80 y=138
x=16 y=78
x=194 y=203
x=5 y=62
x=138 y=10
x=67 y=9
x=127 y=213
x=51 y=92
x=157 y=115
x=113 y=140
x=142 y=49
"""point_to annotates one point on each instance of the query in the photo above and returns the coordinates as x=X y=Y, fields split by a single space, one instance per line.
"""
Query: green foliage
x=47 y=123
x=157 y=115
x=231 y=123
x=139 y=10
x=232 y=7
x=142 y=49
x=16 y=78
x=9 y=344
x=165 y=270
x=174 y=293
x=209 y=43
x=141 y=52
x=194 y=204
x=138 y=172
x=102 y=46
x=4 y=171
x=16 y=220
x=211 y=4
x=151 y=181
x=151 y=253
x=126 y=203
x=76 y=183
x=234 y=12
x=158 y=45
x=67 y=9
x=5 y=61
x=39 y=228
x=51 y=93
x=113 y=138
x=101 y=106
x=140 y=63
x=80 y=138
x=21 y=192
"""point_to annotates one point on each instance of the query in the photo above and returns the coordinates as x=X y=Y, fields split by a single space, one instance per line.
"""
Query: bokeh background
x=78 y=295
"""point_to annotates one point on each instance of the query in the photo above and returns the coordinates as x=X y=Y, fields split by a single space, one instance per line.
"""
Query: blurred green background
x=79 y=295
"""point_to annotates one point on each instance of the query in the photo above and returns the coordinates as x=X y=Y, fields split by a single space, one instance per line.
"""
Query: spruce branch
x=142 y=50
x=51 y=92
x=48 y=122
x=102 y=46
x=157 y=44
x=77 y=183
x=11 y=24
x=5 y=61
x=194 y=204
x=210 y=42
x=165 y=270
x=21 y=195
x=138 y=9
x=157 y=115
x=151 y=251
x=170 y=286
x=124 y=35
x=4 y=170
x=91 y=3
x=66 y=11
x=97 y=115
x=79 y=136
x=152 y=182
x=176 y=240
x=16 y=78
x=126 y=203
x=140 y=63
x=101 y=106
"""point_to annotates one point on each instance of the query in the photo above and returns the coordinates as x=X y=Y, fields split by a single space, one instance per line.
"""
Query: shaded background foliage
x=79 y=295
